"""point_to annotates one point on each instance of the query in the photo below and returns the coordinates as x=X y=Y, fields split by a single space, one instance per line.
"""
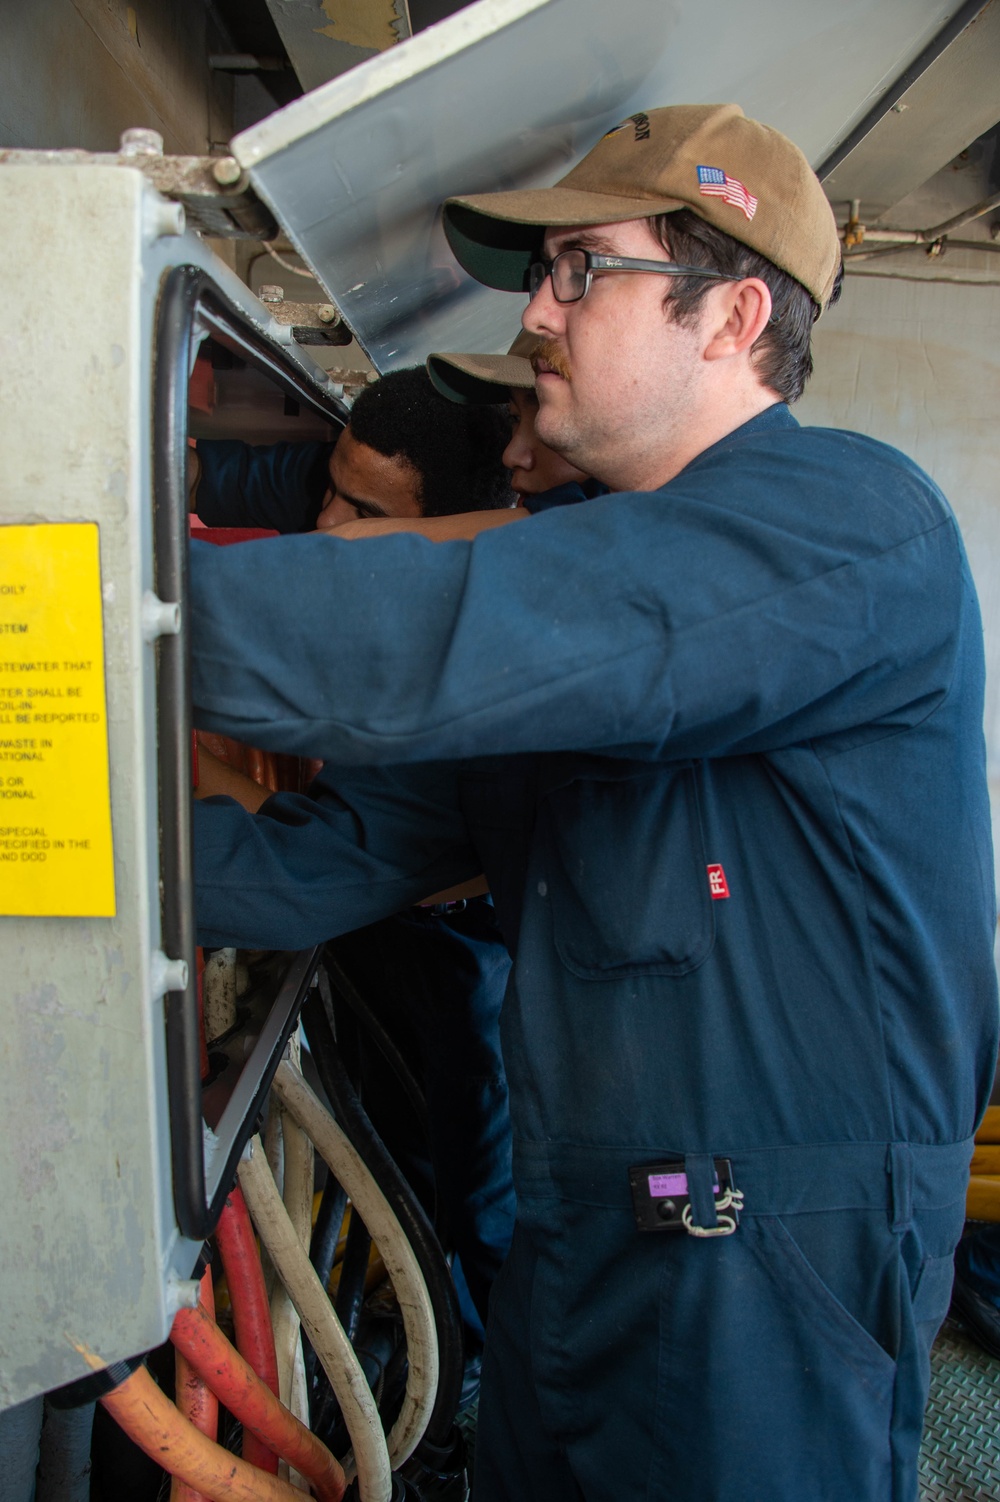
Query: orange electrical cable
x=195 y=1397
x=251 y=1314
x=152 y=1422
x=203 y=1345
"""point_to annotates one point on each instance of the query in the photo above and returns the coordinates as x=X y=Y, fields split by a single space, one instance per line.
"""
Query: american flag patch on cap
x=714 y=183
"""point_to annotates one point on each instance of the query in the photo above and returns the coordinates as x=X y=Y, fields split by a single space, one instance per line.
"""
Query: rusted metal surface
x=224 y=210
x=310 y=322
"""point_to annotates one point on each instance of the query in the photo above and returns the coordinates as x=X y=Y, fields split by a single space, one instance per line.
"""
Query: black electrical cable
x=319 y=1023
x=326 y=1231
x=351 y=996
x=347 y=1108
x=322 y=1251
x=356 y=1024
x=353 y=1272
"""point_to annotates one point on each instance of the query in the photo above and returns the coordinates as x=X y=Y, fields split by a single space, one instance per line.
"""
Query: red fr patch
x=717 y=884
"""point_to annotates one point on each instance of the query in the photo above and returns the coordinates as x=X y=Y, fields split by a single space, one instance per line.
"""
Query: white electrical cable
x=397 y=1254
x=297 y=1194
x=275 y=1155
x=273 y=1146
x=295 y=270
x=298 y=1403
x=332 y=1347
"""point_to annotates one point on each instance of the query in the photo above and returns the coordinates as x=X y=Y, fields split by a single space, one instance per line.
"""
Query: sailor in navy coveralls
x=716 y=741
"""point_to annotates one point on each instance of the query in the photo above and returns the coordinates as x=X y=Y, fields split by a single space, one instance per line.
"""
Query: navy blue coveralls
x=435 y=979
x=773 y=665
x=279 y=486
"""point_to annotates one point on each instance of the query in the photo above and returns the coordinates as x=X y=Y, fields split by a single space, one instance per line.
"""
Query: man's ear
x=739 y=314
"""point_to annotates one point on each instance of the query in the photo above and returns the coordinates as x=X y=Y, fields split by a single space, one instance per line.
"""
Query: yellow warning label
x=56 y=855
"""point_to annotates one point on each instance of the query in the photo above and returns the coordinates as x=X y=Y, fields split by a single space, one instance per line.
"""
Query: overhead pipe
x=197 y=1337
x=855 y=234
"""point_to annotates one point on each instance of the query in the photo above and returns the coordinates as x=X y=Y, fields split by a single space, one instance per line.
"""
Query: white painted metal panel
x=511 y=93
x=88 y=1238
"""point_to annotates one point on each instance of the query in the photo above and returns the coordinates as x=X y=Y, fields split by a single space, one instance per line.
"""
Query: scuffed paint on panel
x=324 y=38
x=46 y=1124
x=363 y=23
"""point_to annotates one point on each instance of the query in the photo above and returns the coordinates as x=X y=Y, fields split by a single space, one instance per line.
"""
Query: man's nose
x=544 y=315
x=517 y=455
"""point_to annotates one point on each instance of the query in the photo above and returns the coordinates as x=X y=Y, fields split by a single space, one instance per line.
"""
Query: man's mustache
x=549 y=356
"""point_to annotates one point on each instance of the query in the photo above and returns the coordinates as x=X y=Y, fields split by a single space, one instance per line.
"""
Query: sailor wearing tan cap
x=716 y=741
x=540 y=477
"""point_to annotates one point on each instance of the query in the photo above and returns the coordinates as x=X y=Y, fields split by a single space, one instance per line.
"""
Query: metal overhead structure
x=323 y=38
x=950 y=100
x=509 y=93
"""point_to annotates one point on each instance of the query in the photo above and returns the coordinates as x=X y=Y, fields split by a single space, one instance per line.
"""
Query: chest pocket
x=628 y=886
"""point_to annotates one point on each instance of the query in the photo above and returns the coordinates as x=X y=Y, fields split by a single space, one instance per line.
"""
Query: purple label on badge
x=662 y=1185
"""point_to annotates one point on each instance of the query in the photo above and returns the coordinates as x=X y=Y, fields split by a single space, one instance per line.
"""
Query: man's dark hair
x=455 y=449
x=782 y=354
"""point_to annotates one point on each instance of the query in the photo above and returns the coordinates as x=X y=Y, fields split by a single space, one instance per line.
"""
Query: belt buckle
x=661 y=1198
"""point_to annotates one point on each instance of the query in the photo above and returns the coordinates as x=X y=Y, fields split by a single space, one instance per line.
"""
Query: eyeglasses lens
x=569 y=275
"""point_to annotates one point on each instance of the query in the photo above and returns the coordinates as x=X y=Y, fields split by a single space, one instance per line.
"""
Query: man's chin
x=553 y=428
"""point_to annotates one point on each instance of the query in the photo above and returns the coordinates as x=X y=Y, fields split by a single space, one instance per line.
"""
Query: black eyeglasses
x=572 y=272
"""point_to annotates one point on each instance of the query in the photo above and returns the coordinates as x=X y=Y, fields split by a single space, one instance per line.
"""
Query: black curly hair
x=455 y=449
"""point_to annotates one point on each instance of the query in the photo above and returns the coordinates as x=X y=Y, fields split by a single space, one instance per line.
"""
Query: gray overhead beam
x=952 y=100
x=509 y=93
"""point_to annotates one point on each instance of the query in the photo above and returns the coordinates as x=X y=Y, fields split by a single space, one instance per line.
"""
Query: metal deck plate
x=960 y=1454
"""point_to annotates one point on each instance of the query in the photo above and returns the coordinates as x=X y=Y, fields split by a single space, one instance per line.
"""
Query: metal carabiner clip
x=731 y=1199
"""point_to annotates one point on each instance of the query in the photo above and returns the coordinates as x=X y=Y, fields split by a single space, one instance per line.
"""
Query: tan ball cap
x=737 y=174
x=474 y=379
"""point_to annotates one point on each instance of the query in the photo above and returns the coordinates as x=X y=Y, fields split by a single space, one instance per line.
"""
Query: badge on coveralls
x=661 y=1198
